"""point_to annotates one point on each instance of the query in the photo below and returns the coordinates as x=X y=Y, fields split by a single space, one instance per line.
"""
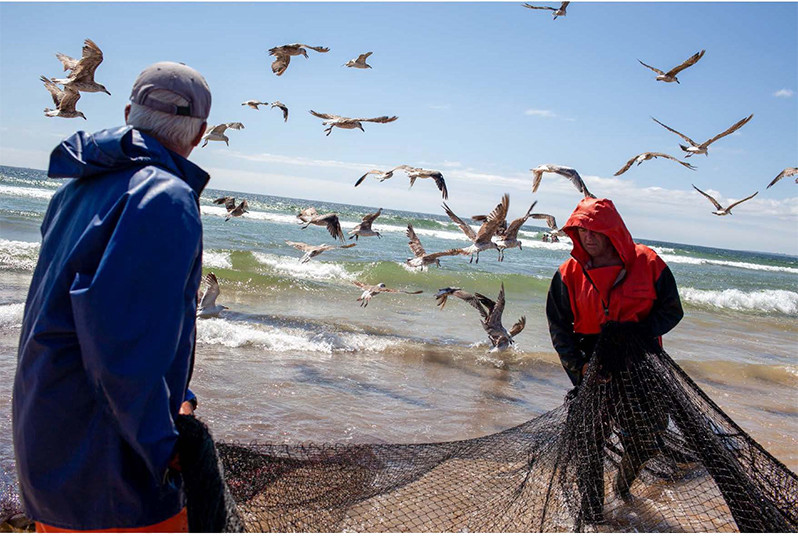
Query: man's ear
x=127 y=112
x=200 y=134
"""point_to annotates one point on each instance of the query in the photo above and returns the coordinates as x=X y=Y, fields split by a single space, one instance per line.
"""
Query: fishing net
x=638 y=447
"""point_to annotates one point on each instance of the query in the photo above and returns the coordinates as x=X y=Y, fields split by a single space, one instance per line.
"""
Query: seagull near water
x=670 y=76
x=491 y=313
x=252 y=103
x=359 y=62
x=703 y=148
x=422 y=260
x=508 y=238
x=723 y=211
x=364 y=228
x=311 y=251
x=330 y=220
x=81 y=76
x=413 y=173
x=551 y=222
x=645 y=156
x=229 y=202
x=237 y=210
x=207 y=304
x=283 y=55
x=216 y=132
x=787 y=172
x=558 y=12
x=342 y=122
x=570 y=173
x=370 y=291
x=482 y=239
x=65 y=101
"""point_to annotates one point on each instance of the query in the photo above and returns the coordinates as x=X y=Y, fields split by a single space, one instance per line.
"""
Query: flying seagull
x=370 y=291
x=670 y=76
x=349 y=123
x=422 y=259
x=216 y=132
x=228 y=202
x=482 y=239
x=65 y=101
x=81 y=76
x=491 y=313
x=238 y=210
x=558 y=12
x=508 y=237
x=330 y=220
x=721 y=211
x=693 y=148
x=564 y=171
x=364 y=228
x=359 y=62
x=412 y=173
x=252 y=103
x=282 y=107
x=207 y=304
x=787 y=172
x=312 y=251
x=551 y=222
x=649 y=155
x=283 y=55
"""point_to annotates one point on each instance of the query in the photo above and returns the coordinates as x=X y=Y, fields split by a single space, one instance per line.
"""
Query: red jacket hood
x=599 y=215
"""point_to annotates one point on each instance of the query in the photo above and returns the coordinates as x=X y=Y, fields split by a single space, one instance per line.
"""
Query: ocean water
x=295 y=358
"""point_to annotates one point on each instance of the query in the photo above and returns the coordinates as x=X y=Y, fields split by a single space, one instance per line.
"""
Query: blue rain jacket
x=106 y=349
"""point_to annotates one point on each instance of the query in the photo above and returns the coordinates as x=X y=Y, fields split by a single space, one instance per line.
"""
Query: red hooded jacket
x=644 y=290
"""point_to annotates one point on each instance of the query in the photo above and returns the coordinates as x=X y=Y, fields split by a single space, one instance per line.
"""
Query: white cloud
x=784 y=92
x=540 y=113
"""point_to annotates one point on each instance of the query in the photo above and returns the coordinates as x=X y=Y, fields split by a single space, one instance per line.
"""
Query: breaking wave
x=739 y=265
x=11 y=315
x=771 y=301
x=18 y=255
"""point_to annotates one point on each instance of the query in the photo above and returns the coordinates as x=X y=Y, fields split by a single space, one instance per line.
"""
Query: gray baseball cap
x=177 y=78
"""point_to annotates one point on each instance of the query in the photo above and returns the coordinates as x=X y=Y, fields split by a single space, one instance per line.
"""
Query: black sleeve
x=561 y=328
x=667 y=310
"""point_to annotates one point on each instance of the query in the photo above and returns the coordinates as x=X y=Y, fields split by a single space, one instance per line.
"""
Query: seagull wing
x=307 y=214
x=550 y=221
x=494 y=318
x=56 y=92
x=711 y=199
x=235 y=125
x=317 y=49
x=738 y=202
x=495 y=219
x=463 y=226
x=333 y=225
x=539 y=7
x=69 y=99
x=444 y=293
x=299 y=245
x=657 y=71
x=280 y=63
x=211 y=291
x=326 y=116
x=671 y=157
x=380 y=119
x=371 y=217
x=282 y=107
x=441 y=184
x=350 y=245
x=537 y=175
x=512 y=229
x=686 y=138
x=92 y=57
x=575 y=178
x=361 y=178
x=415 y=242
x=68 y=62
x=687 y=63
x=787 y=172
x=519 y=326
x=217 y=129
x=729 y=131
x=362 y=57
x=626 y=167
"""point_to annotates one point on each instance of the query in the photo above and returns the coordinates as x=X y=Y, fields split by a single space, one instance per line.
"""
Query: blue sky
x=483 y=91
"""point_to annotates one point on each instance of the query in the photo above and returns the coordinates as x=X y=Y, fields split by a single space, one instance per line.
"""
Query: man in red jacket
x=609 y=278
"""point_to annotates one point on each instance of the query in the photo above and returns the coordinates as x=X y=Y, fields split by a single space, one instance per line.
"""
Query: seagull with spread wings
x=254 y=103
x=359 y=62
x=282 y=107
x=703 y=148
x=237 y=211
x=670 y=76
x=81 y=76
x=551 y=222
x=508 y=237
x=565 y=171
x=558 y=12
x=364 y=228
x=207 y=304
x=65 y=101
x=370 y=291
x=311 y=251
x=342 y=122
x=329 y=220
x=422 y=260
x=722 y=211
x=216 y=132
x=282 y=55
x=645 y=156
x=491 y=313
x=413 y=173
x=787 y=172
x=482 y=239
x=229 y=202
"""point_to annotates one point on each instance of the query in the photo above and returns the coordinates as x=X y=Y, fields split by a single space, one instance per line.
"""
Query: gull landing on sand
x=482 y=239
x=283 y=55
x=370 y=291
x=359 y=62
x=364 y=228
x=558 y=12
x=207 y=304
x=312 y=251
x=787 y=172
x=670 y=76
x=81 y=76
x=649 y=155
x=703 y=148
x=721 y=211
x=349 y=123
x=252 y=103
x=422 y=260
x=330 y=220
x=65 y=101
x=570 y=173
x=412 y=173
x=491 y=313
x=216 y=132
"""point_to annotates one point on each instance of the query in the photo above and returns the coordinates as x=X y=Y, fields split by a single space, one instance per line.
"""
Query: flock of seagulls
x=80 y=78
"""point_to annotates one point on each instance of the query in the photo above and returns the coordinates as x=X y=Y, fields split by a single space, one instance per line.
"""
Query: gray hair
x=176 y=130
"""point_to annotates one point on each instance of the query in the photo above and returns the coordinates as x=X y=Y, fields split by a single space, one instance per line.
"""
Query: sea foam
x=219 y=260
x=773 y=301
x=26 y=192
x=312 y=270
x=669 y=258
x=11 y=315
x=19 y=255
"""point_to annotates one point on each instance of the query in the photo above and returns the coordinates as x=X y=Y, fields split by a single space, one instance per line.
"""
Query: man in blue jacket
x=107 y=342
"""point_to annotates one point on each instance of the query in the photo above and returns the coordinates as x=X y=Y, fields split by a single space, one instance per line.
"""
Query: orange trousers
x=176 y=523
